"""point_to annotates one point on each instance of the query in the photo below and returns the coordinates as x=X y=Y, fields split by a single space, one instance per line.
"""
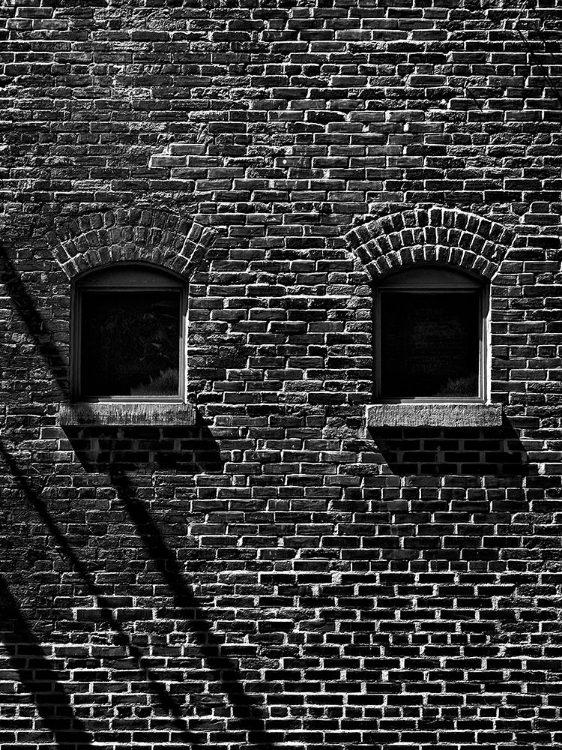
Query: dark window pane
x=429 y=344
x=130 y=343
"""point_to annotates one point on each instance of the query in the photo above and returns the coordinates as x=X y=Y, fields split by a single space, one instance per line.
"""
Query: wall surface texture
x=278 y=574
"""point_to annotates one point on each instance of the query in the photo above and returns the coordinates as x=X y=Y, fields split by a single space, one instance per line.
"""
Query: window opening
x=431 y=332
x=129 y=334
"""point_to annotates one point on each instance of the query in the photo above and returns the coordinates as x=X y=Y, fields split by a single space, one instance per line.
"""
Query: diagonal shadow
x=226 y=671
x=39 y=678
x=37 y=328
x=166 y=700
x=33 y=321
x=243 y=708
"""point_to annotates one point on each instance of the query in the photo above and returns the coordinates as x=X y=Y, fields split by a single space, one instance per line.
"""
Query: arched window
x=128 y=337
x=431 y=331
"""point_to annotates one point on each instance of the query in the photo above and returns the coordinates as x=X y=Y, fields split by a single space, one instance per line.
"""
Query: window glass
x=429 y=344
x=130 y=343
x=128 y=340
x=431 y=335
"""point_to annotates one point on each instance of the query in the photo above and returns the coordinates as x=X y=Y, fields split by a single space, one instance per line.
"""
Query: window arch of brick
x=434 y=235
x=160 y=237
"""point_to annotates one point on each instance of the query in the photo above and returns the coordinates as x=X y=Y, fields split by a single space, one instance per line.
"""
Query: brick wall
x=277 y=574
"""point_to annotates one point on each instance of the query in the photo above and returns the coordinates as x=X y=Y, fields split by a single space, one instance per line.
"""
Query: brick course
x=278 y=574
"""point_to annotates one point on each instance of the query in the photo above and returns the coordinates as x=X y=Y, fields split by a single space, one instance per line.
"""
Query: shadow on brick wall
x=32 y=320
x=186 y=607
x=189 y=449
x=21 y=640
x=437 y=450
x=38 y=677
x=116 y=450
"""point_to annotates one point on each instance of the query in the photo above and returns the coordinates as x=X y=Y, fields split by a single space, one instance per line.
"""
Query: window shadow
x=452 y=450
x=123 y=639
x=189 y=449
x=187 y=608
x=39 y=678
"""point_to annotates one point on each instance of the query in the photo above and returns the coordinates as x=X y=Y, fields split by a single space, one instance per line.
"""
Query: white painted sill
x=123 y=413
x=442 y=414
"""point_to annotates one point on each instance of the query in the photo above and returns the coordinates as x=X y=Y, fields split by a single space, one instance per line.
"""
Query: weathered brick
x=277 y=573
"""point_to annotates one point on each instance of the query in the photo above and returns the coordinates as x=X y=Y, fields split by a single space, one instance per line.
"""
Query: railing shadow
x=36 y=326
x=181 y=458
x=188 y=609
x=39 y=678
x=123 y=639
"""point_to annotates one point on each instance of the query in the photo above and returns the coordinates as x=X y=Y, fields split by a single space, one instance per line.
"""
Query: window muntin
x=129 y=335
x=431 y=331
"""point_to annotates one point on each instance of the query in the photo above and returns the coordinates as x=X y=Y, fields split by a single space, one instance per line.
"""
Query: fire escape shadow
x=187 y=607
x=35 y=324
x=39 y=678
x=162 y=694
x=249 y=715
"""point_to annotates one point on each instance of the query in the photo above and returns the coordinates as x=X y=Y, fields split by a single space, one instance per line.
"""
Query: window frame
x=143 y=276
x=453 y=280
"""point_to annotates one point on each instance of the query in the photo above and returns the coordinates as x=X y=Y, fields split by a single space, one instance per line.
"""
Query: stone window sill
x=443 y=414
x=123 y=413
